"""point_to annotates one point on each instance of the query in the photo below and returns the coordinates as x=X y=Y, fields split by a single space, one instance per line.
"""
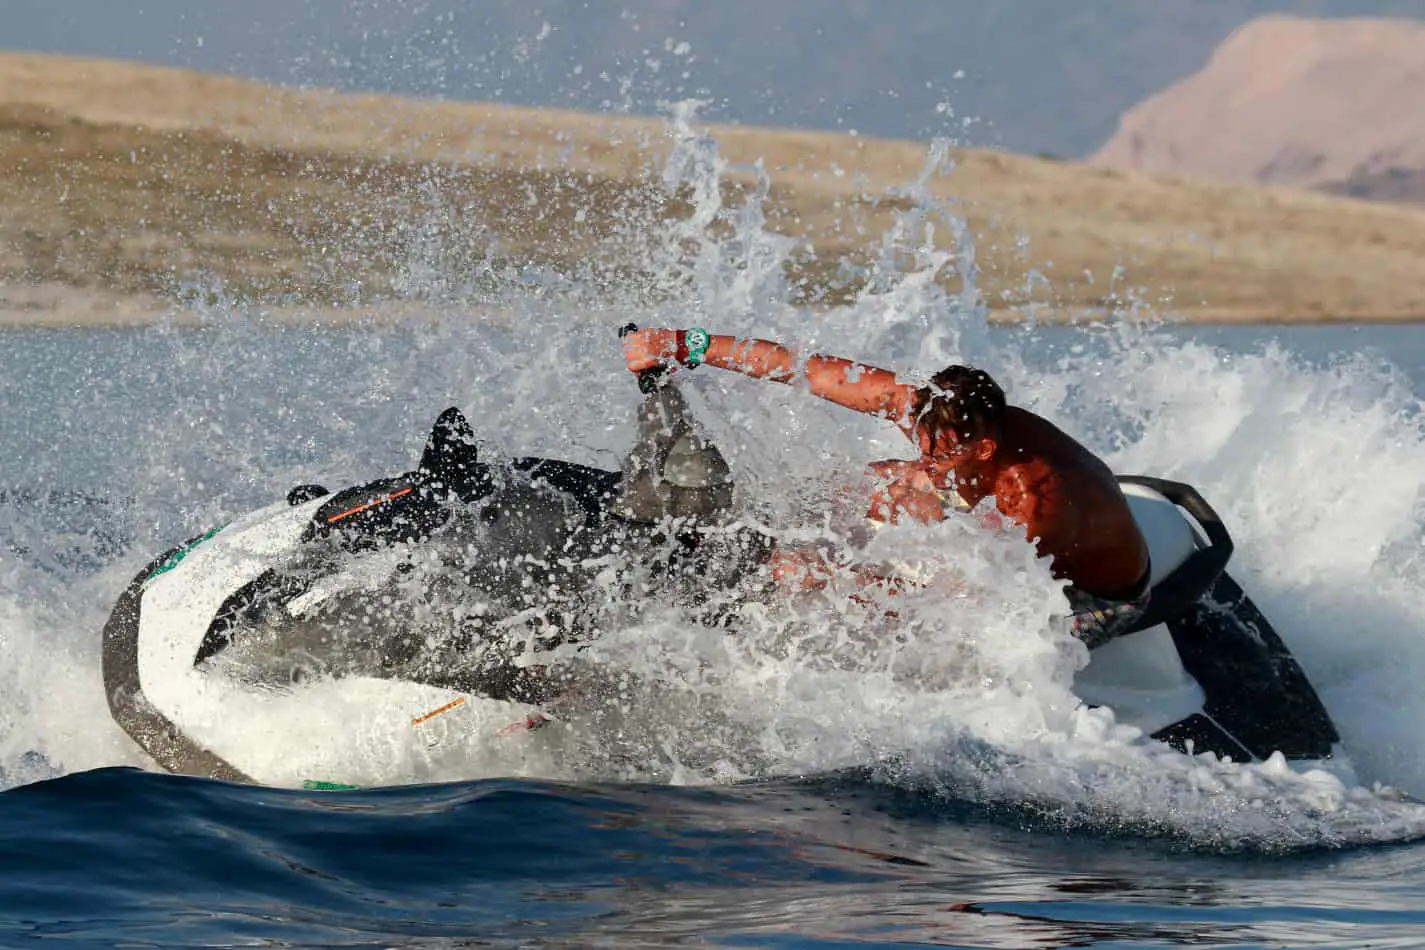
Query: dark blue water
x=127 y=858
x=116 y=443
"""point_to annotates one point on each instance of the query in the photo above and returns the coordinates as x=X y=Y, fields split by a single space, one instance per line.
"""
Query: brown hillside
x=1322 y=103
x=124 y=181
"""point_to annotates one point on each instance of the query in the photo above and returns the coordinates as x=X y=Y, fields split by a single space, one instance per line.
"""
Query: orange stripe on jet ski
x=370 y=504
x=436 y=712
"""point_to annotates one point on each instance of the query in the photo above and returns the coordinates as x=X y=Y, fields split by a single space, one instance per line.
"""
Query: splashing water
x=965 y=691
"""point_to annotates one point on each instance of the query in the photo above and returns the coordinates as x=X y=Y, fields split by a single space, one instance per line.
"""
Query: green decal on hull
x=173 y=560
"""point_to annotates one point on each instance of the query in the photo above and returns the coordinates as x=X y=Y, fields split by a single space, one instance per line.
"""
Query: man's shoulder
x=1031 y=436
x=1031 y=426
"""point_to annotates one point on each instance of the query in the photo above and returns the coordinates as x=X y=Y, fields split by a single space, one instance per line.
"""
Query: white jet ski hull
x=1205 y=673
x=356 y=730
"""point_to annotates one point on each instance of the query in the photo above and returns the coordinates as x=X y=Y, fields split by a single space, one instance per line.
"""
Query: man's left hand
x=646 y=349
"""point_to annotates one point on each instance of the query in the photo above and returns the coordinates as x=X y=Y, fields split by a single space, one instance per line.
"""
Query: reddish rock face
x=1334 y=104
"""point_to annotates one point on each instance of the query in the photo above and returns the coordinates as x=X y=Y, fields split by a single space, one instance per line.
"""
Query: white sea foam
x=1316 y=470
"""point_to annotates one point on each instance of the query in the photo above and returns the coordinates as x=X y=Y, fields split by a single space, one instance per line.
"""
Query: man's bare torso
x=1067 y=500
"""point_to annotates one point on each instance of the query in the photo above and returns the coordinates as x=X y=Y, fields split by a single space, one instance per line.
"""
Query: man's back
x=1070 y=504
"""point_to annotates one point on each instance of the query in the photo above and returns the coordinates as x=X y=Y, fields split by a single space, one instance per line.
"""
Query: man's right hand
x=646 y=349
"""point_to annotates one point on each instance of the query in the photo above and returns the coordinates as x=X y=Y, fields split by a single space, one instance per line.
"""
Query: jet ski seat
x=409 y=506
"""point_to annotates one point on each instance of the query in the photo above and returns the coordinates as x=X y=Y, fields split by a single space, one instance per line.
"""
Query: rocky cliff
x=1332 y=104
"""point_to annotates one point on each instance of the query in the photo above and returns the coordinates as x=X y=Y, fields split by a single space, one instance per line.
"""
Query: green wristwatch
x=696 y=341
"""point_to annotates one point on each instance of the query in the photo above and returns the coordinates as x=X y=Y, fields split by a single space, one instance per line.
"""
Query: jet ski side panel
x=356 y=729
x=130 y=666
x=154 y=732
x=164 y=619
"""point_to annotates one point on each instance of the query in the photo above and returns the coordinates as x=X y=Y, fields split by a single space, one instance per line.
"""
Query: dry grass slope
x=130 y=182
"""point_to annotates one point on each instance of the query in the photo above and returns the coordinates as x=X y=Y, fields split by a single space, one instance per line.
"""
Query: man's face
x=946 y=452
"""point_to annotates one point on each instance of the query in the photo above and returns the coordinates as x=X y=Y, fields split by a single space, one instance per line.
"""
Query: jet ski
x=397 y=630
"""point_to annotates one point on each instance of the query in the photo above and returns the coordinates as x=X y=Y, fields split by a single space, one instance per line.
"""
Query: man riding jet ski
x=443 y=585
x=1131 y=559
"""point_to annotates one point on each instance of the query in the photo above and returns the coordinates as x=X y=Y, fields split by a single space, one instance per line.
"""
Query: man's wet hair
x=962 y=399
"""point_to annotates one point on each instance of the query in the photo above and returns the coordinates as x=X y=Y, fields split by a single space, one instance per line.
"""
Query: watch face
x=697 y=339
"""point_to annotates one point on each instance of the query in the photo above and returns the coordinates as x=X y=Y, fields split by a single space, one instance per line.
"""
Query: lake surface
x=881 y=816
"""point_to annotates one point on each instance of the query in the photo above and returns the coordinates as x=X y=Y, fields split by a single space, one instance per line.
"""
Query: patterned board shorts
x=1096 y=621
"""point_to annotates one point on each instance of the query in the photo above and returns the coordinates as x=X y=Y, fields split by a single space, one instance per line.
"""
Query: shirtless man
x=972 y=444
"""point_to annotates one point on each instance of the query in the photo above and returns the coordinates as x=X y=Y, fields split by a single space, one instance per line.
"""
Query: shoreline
x=60 y=307
x=124 y=187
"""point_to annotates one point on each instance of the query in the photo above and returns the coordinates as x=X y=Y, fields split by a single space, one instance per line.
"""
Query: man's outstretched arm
x=856 y=386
